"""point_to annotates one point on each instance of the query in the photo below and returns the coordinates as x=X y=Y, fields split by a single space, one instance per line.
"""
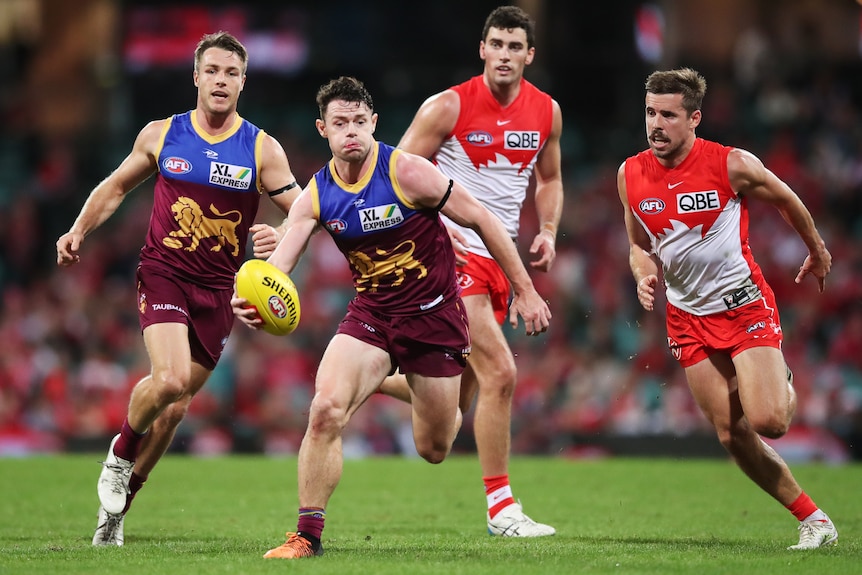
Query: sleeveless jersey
x=206 y=197
x=492 y=150
x=698 y=228
x=401 y=257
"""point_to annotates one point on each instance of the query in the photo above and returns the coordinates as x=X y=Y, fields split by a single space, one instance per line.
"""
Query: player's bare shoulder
x=440 y=111
x=621 y=183
x=421 y=182
x=556 y=118
x=745 y=171
x=443 y=104
x=149 y=139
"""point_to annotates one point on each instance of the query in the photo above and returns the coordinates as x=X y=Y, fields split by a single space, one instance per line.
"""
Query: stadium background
x=81 y=78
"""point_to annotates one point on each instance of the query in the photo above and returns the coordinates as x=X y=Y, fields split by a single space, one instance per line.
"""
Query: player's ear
x=321 y=127
x=695 y=118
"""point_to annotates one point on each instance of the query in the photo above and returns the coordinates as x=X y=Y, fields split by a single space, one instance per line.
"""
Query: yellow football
x=272 y=293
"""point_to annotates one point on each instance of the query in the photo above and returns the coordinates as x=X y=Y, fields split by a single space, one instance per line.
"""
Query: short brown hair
x=507 y=18
x=685 y=81
x=225 y=41
x=346 y=89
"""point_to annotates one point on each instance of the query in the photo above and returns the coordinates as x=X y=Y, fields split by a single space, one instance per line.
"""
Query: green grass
x=396 y=516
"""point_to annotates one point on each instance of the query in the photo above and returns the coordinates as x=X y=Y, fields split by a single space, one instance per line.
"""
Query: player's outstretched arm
x=279 y=183
x=424 y=185
x=549 y=196
x=301 y=224
x=643 y=265
x=107 y=196
x=749 y=177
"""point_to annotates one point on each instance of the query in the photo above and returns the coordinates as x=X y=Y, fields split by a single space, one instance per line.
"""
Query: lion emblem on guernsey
x=197 y=226
x=388 y=263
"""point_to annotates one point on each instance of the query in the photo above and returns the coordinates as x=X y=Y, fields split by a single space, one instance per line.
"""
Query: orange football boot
x=296 y=547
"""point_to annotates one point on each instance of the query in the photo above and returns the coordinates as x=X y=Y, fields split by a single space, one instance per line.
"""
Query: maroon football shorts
x=163 y=298
x=433 y=344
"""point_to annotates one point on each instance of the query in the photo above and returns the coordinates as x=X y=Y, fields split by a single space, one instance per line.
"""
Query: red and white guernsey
x=698 y=228
x=492 y=150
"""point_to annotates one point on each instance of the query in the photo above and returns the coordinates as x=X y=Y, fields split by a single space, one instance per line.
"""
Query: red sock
x=499 y=493
x=311 y=521
x=129 y=442
x=802 y=507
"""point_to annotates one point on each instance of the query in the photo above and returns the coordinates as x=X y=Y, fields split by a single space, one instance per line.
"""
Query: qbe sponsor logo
x=705 y=201
x=521 y=140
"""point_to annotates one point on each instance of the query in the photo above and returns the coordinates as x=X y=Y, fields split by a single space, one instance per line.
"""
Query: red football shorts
x=693 y=338
x=483 y=276
x=433 y=344
x=163 y=298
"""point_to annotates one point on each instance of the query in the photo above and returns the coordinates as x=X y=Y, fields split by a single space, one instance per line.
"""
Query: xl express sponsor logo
x=380 y=217
x=237 y=177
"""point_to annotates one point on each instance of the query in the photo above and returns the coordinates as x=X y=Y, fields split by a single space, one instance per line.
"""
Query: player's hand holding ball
x=266 y=298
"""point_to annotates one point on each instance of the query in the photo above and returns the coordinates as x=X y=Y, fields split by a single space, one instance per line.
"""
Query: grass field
x=397 y=516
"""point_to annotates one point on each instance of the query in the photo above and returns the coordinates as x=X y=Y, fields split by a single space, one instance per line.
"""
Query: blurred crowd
x=71 y=350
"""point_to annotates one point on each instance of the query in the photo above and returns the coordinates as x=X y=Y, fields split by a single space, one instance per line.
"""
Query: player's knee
x=325 y=417
x=433 y=452
x=502 y=380
x=771 y=425
x=170 y=386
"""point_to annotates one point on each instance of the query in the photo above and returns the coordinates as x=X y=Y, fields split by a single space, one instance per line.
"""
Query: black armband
x=282 y=190
x=445 y=196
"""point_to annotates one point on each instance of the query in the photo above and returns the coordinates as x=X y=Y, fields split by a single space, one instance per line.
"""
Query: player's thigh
x=713 y=385
x=487 y=340
x=349 y=372
x=168 y=347
x=435 y=404
x=763 y=382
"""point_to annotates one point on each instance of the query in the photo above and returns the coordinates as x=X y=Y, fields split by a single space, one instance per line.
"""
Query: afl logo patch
x=277 y=307
x=651 y=206
x=177 y=165
x=479 y=139
x=336 y=226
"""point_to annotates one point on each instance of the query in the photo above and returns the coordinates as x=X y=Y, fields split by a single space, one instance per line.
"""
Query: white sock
x=816 y=516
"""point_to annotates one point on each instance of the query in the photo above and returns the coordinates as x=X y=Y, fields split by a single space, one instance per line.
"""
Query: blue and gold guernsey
x=401 y=257
x=206 y=197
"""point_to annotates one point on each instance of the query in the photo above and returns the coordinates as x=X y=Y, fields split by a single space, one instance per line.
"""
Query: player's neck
x=505 y=94
x=679 y=156
x=351 y=172
x=215 y=123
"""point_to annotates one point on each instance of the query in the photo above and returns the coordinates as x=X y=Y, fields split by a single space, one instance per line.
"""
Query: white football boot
x=113 y=486
x=512 y=522
x=814 y=534
x=109 y=529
